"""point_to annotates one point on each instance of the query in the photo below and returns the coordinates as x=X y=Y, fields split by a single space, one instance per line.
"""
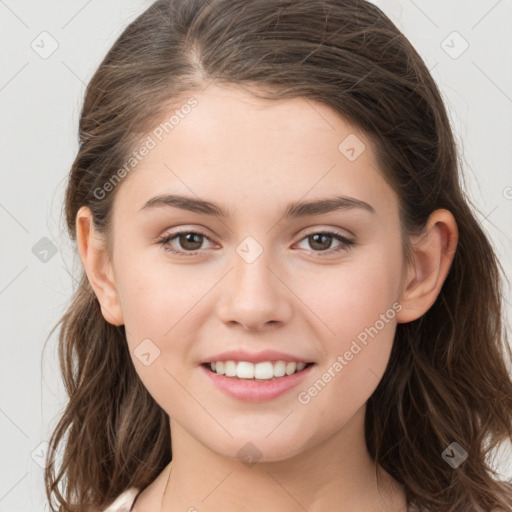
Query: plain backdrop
x=49 y=52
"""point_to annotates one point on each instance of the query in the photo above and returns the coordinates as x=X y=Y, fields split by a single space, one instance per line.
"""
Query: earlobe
x=94 y=256
x=434 y=251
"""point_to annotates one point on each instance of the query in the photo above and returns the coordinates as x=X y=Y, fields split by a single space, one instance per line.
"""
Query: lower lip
x=254 y=390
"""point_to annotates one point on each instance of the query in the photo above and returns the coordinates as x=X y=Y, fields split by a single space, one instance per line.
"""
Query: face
x=316 y=285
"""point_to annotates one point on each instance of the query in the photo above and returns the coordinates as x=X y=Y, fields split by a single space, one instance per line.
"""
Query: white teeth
x=262 y=371
x=244 y=370
x=279 y=369
x=230 y=368
x=290 y=368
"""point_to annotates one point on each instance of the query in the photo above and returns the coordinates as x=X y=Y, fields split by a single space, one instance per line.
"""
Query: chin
x=250 y=451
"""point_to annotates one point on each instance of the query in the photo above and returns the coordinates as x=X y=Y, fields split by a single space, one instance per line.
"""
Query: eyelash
x=164 y=241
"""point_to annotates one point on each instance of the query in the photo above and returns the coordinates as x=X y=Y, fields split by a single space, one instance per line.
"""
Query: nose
x=254 y=295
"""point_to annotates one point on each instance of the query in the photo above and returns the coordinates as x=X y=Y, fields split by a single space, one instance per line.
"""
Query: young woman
x=285 y=290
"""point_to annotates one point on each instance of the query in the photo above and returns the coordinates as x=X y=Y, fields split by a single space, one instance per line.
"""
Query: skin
x=254 y=157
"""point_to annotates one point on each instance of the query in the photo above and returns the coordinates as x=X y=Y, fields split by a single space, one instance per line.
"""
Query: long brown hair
x=447 y=379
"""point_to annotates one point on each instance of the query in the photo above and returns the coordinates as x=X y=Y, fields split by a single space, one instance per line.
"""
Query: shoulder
x=124 y=502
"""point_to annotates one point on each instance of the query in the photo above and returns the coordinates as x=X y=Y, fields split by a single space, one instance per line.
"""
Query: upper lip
x=254 y=357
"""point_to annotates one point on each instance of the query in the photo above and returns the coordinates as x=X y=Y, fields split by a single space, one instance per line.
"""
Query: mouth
x=256 y=382
x=256 y=372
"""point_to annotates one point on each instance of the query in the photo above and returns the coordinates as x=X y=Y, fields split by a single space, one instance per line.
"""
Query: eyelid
x=166 y=238
x=182 y=229
x=319 y=229
x=346 y=241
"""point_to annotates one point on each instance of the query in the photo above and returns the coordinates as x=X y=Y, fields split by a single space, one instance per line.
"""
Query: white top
x=124 y=502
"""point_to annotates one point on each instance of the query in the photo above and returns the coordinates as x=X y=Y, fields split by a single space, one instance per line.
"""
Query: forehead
x=248 y=152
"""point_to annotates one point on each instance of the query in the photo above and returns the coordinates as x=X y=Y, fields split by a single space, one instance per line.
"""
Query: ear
x=94 y=256
x=433 y=255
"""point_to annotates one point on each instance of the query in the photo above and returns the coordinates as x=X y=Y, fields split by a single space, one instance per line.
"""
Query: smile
x=259 y=382
x=265 y=370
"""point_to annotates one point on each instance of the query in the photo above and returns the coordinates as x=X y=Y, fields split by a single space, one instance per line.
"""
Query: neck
x=339 y=470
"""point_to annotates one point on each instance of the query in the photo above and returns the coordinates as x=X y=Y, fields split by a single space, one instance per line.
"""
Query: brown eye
x=186 y=243
x=321 y=242
x=190 y=241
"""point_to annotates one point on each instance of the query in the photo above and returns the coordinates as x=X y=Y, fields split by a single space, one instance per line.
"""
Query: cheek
x=358 y=305
x=157 y=330
x=154 y=294
x=352 y=296
x=160 y=306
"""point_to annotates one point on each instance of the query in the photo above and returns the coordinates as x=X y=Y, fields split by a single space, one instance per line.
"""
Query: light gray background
x=40 y=101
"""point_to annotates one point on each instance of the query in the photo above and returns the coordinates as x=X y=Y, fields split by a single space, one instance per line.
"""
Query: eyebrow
x=292 y=210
